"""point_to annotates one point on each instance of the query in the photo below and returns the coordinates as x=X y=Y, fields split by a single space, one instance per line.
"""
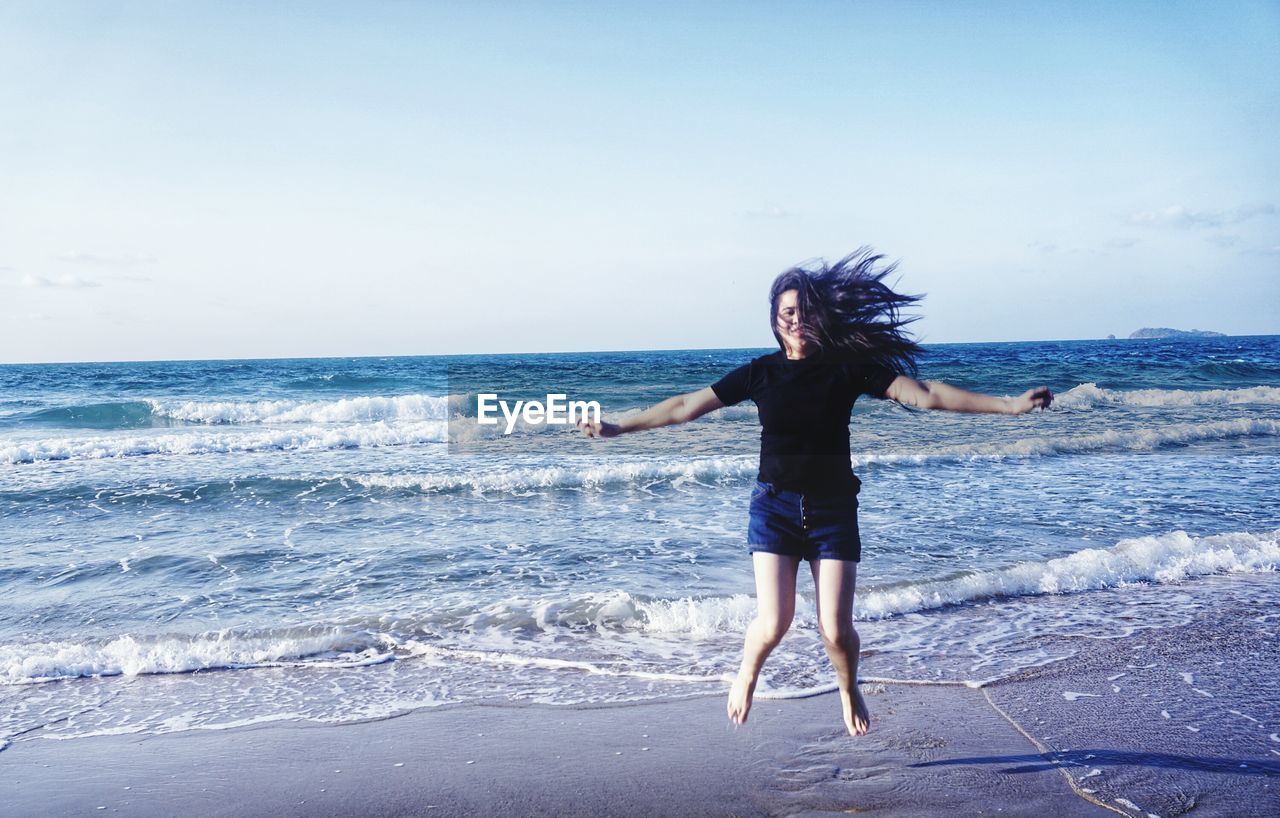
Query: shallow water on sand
x=203 y=544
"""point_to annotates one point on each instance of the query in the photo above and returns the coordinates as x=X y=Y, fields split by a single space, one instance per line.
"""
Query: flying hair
x=847 y=309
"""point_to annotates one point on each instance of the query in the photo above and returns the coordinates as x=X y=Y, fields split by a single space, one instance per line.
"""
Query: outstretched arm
x=939 y=395
x=679 y=409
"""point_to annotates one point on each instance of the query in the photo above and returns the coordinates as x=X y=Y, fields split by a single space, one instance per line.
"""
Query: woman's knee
x=836 y=631
x=774 y=626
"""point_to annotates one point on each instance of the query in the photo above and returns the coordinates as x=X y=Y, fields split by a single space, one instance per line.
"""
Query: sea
x=207 y=544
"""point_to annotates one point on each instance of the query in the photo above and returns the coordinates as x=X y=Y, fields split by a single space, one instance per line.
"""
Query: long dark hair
x=847 y=308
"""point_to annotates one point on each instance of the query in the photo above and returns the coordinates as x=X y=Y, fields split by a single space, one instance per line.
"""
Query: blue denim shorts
x=812 y=526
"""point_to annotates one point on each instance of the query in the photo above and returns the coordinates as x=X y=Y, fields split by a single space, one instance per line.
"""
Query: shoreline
x=1154 y=723
x=677 y=757
x=571 y=352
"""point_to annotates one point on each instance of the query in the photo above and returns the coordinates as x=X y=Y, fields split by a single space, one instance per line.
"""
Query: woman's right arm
x=939 y=395
x=678 y=409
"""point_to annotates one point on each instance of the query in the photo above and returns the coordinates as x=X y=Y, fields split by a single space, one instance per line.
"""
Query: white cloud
x=1183 y=218
x=1224 y=240
x=769 y=212
x=71 y=282
x=107 y=260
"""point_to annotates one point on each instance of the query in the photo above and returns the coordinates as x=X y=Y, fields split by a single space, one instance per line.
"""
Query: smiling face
x=787 y=324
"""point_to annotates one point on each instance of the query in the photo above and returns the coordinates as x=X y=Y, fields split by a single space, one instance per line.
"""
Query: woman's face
x=788 y=323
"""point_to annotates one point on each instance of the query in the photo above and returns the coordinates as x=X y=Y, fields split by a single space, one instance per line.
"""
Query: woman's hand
x=1038 y=398
x=599 y=428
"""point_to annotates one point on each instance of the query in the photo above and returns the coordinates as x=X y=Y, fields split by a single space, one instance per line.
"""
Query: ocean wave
x=1162 y=558
x=577 y=618
x=370 y=435
x=741 y=411
x=383 y=433
x=1123 y=440
x=179 y=493
x=1165 y=558
x=176 y=412
x=613 y=611
x=362 y=642
x=562 y=477
x=128 y=655
x=1238 y=369
x=372 y=408
x=346 y=410
x=121 y=415
x=720 y=469
x=1089 y=395
x=339 y=381
x=548 y=663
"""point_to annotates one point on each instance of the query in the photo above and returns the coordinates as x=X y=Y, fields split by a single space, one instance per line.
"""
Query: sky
x=248 y=180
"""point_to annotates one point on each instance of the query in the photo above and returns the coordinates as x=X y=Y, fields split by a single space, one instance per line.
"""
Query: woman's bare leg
x=834 y=581
x=775 y=606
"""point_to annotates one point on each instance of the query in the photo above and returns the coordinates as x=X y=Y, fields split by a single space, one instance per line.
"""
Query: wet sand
x=1172 y=722
x=667 y=758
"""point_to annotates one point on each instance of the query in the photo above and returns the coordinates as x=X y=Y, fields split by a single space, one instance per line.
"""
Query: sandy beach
x=1106 y=733
x=673 y=758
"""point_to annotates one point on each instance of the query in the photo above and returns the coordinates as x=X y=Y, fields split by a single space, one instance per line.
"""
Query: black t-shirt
x=804 y=411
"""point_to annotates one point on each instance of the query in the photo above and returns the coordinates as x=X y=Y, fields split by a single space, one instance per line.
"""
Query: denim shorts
x=809 y=525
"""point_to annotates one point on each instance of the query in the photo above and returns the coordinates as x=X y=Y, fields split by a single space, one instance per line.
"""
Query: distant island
x=1166 y=332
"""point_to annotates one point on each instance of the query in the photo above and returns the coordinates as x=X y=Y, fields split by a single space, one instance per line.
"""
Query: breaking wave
x=1172 y=557
x=1090 y=395
x=346 y=410
x=369 y=435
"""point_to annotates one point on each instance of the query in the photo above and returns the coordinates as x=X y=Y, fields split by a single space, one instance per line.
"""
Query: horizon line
x=574 y=352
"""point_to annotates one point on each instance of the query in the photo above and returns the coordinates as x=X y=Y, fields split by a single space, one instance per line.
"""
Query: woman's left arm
x=939 y=395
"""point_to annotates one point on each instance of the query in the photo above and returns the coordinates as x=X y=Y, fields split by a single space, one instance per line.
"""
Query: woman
x=840 y=335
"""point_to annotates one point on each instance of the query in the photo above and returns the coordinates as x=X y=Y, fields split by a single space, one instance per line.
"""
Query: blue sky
x=273 y=179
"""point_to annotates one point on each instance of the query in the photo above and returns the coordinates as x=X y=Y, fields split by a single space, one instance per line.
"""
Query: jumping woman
x=840 y=335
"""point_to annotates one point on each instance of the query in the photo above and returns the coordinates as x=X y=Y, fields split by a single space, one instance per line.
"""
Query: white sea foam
x=398 y=432
x=575 y=619
x=1134 y=440
x=519 y=660
x=615 y=611
x=1169 y=557
x=741 y=411
x=96 y=447
x=727 y=468
x=700 y=617
x=1089 y=395
x=1071 y=695
x=1162 y=558
x=567 y=477
x=346 y=410
x=131 y=656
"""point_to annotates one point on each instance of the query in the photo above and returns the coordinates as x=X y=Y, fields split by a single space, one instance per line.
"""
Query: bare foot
x=744 y=687
x=856 y=718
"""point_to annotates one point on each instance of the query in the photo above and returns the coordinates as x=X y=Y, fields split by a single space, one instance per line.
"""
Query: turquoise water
x=203 y=544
